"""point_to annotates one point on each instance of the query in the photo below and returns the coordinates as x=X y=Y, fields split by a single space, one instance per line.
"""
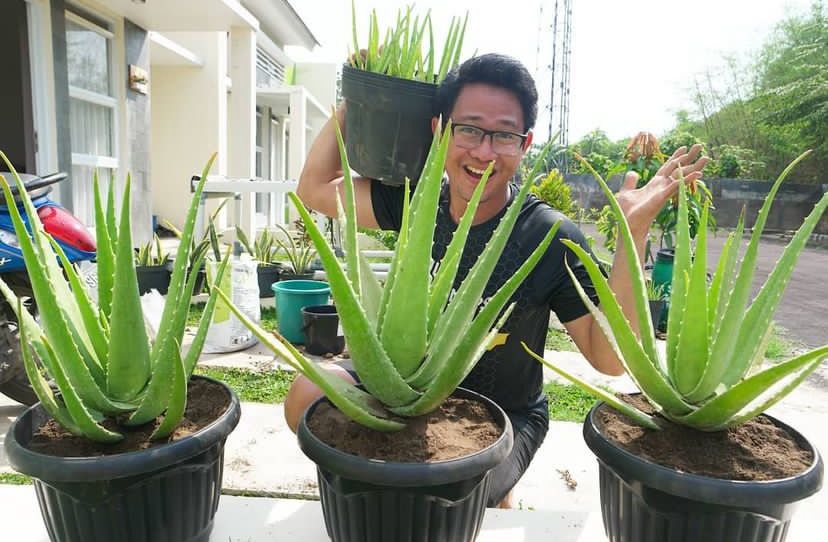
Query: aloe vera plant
x=710 y=377
x=147 y=257
x=400 y=54
x=99 y=355
x=411 y=341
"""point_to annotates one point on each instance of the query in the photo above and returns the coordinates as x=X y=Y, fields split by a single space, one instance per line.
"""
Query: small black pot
x=320 y=324
x=169 y=492
x=153 y=277
x=642 y=501
x=267 y=274
x=656 y=312
x=364 y=500
x=388 y=124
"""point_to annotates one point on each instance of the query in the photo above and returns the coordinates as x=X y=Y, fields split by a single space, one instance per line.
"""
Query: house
x=153 y=88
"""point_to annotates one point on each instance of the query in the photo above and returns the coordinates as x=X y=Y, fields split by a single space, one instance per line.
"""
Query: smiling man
x=492 y=103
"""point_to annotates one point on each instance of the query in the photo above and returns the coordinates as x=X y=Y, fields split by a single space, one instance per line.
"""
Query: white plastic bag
x=240 y=284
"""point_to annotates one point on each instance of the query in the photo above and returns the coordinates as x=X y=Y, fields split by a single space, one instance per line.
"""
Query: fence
x=791 y=205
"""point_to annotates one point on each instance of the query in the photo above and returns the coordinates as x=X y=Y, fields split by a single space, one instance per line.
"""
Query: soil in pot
x=756 y=450
x=459 y=427
x=206 y=402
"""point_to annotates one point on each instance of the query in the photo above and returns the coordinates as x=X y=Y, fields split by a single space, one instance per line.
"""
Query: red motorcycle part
x=63 y=226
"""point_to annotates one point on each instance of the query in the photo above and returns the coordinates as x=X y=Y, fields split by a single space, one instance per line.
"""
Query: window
x=269 y=71
x=92 y=108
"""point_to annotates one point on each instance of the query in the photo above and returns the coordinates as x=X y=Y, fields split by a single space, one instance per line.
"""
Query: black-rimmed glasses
x=467 y=136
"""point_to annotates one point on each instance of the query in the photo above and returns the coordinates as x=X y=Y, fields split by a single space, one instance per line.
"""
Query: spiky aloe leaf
x=402 y=243
x=693 y=348
x=726 y=340
x=196 y=346
x=376 y=371
x=446 y=273
x=105 y=254
x=178 y=398
x=645 y=371
x=353 y=402
x=351 y=247
x=720 y=412
x=129 y=351
x=404 y=333
x=477 y=338
x=639 y=287
x=639 y=417
x=173 y=319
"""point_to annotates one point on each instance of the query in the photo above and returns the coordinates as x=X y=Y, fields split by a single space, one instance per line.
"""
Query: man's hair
x=492 y=69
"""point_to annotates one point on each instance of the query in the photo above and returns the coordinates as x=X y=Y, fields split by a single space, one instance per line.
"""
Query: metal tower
x=559 y=70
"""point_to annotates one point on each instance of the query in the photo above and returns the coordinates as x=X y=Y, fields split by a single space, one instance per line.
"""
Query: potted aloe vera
x=697 y=460
x=152 y=267
x=411 y=343
x=128 y=433
x=389 y=88
x=263 y=250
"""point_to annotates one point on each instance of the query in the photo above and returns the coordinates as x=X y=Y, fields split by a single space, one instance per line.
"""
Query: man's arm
x=640 y=207
x=322 y=176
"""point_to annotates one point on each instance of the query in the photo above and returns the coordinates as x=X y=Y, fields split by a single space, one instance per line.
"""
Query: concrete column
x=241 y=118
x=297 y=146
x=189 y=122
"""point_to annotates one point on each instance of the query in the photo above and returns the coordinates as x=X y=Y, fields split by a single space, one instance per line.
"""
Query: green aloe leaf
x=105 y=254
x=353 y=402
x=693 y=348
x=350 y=220
x=645 y=371
x=178 y=397
x=129 y=352
x=402 y=244
x=719 y=412
x=404 y=333
x=639 y=417
x=758 y=316
x=726 y=340
x=197 y=345
x=376 y=371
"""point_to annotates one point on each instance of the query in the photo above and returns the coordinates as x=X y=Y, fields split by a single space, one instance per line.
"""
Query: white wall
x=189 y=120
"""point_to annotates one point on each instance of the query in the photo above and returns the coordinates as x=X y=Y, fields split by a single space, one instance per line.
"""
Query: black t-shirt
x=506 y=373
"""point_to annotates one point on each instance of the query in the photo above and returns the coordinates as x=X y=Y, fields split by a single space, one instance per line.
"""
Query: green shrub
x=554 y=191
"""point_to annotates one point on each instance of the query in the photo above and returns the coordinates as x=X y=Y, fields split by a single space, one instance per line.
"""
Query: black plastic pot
x=387 y=124
x=267 y=274
x=163 y=494
x=642 y=501
x=320 y=324
x=364 y=500
x=287 y=275
x=153 y=277
x=656 y=310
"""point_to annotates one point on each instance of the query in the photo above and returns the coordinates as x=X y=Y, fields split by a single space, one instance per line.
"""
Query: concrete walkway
x=262 y=458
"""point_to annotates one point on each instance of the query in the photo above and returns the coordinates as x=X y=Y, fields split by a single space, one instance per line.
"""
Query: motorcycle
x=75 y=240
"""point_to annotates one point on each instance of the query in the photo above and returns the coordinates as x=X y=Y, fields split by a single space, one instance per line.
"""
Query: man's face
x=490 y=108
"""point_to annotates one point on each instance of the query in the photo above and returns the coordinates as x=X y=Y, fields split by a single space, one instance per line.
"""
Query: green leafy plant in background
x=710 y=378
x=553 y=190
x=299 y=252
x=147 y=257
x=262 y=249
x=208 y=245
x=100 y=356
x=411 y=341
x=655 y=293
x=400 y=54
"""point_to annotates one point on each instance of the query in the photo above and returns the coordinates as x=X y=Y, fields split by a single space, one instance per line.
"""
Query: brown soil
x=206 y=401
x=459 y=427
x=756 y=450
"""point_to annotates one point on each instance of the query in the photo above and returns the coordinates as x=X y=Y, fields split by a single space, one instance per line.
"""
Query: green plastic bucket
x=291 y=297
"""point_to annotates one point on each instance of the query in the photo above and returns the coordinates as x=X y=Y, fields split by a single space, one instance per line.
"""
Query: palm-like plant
x=411 y=342
x=100 y=355
x=299 y=252
x=263 y=247
x=709 y=378
x=146 y=257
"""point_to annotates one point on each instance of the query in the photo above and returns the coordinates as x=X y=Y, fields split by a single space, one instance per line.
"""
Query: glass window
x=91 y=128
x=87 y=55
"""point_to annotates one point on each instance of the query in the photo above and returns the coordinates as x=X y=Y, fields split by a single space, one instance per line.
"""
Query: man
x=492 y=103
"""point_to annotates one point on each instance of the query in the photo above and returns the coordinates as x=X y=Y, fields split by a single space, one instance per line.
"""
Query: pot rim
x=633 y=468
x=401 y=474
x=108 y=467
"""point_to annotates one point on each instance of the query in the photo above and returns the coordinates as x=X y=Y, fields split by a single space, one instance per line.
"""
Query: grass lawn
x=559 y=341
x=253 y=386
x=567 y=402
x=14 y=479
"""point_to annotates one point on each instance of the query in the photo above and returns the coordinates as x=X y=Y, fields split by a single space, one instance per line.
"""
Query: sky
x=633 y=65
